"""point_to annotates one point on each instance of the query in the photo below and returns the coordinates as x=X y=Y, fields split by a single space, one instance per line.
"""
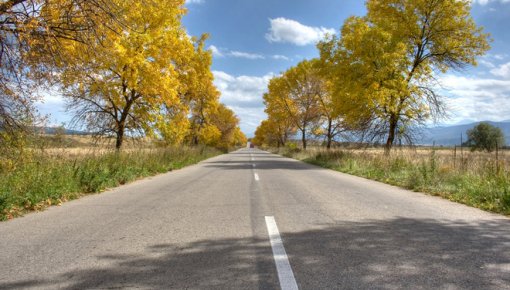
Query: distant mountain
x=54 y=130
x=450 y=135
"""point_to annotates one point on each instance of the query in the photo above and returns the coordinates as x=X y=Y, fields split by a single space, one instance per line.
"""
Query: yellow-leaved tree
x=388 y=60
x=227 y=123
x=32 y=33
x=202 y=98
x=279 y=127
x=129 y=81
x=331 y=123
x=240 y=138
x=272 y=133
x=295 y=96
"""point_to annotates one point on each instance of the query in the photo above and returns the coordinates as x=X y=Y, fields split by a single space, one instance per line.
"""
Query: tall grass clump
x=46 y=178
x=476 y=179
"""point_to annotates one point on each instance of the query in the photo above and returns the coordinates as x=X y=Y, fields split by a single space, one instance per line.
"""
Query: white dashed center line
x=285 y=274
x=256 y=176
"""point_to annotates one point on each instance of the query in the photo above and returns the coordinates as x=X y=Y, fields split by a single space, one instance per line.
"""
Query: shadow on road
x=264 y=162
x=261 y=165
x=397 y=253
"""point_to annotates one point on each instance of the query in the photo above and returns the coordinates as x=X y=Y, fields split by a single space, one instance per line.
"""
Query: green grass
x=45 y=179
x=481 y=183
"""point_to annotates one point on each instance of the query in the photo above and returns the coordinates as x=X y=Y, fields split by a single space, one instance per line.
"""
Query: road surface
x=253 y=220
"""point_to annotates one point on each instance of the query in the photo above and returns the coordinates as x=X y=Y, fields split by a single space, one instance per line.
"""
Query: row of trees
x=377 y=80
x=124 y=67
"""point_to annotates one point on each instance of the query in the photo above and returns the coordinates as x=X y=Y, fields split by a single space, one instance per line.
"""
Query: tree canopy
x=380 y=73
x=124 y=67
x=485 y=136
x=31 y=36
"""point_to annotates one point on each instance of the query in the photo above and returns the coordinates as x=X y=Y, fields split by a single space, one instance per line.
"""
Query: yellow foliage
x=126 y=67
x=227 y=123
x=127 y=81
x=294 y=101
x=173 y=130
x=210 y=135
x=239 y=138
x=382 y=66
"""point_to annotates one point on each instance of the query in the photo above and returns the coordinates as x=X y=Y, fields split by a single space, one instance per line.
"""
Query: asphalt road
x=218 y=224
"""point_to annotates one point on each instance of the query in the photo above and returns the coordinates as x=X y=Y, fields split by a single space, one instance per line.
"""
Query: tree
x=485 y=136
x=279 y=126
x=271 y=133
x=227 y=123
x=32 y=33
x=390 y=57
x=202 y=97
x=332 y=123
x=208 y=135
x=239 y=138
x=128 y=85
x=295 y=96
x=261 y=137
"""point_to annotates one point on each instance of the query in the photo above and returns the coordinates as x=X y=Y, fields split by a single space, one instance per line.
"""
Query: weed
x=48 y=178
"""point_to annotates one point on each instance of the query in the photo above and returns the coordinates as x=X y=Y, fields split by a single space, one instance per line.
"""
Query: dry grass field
x=459 y=159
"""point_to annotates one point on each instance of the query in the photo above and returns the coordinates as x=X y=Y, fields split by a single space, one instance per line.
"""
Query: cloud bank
x=285 y=30
x=478 y=99
x=485 y=2
x=243 y=94
x=194 y=1
x=221 y=52
x=247 y=55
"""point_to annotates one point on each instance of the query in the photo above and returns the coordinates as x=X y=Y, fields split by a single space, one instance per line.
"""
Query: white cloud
x=502 y=71
x=491 y=61
x=52 y=107
x=220 y=52
x=240 y=54
x=280 y=57
x=194 y=1
x=250 y=118
x=500 y=56
x=476 y=99
x=244 y=91
x=486 y=63
x=243 y=94
x=290 y=31
x=485 y=2
x=215 y=51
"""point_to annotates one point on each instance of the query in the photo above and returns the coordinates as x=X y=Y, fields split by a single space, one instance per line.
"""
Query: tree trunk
x=303 y=138
x=391 y=134
x=330 y=138
x=195 y=140
x=121 y=123
x=120 y=137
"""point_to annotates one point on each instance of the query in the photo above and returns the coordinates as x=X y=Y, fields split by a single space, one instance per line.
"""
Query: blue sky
x=255 y=40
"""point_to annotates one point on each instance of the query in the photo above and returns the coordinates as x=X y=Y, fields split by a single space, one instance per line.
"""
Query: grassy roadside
x=474 y=181
x=47 y=179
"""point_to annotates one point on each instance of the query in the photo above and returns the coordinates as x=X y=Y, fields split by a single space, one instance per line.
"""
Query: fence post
x=497 y=157
x=455 y=157
x=461 y=153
